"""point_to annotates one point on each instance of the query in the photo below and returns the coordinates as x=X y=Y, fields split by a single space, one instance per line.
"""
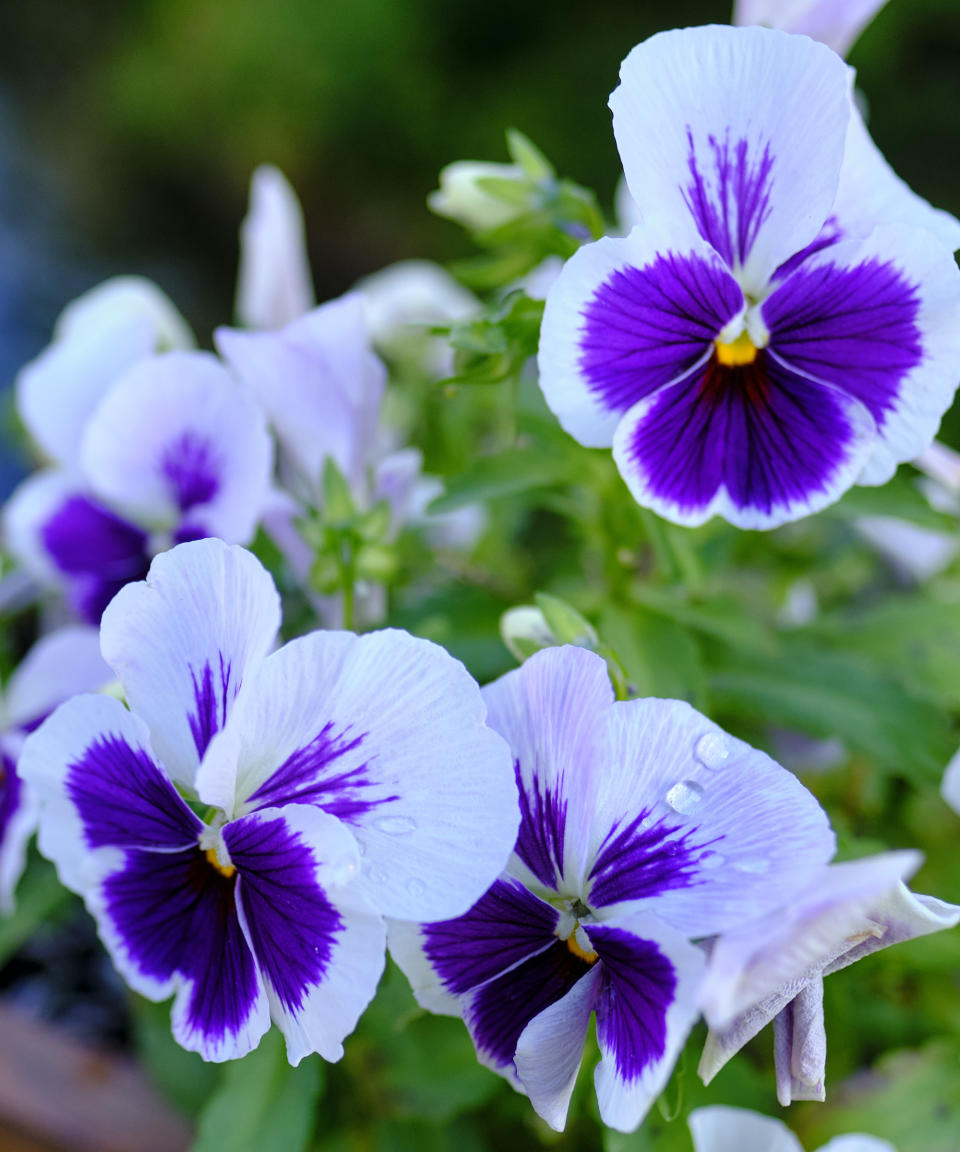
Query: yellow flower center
x=737 y=352
x=576 y=948
x=224 y=869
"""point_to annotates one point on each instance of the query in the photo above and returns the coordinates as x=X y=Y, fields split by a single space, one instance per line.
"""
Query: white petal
x=28 y=509
x=386 y=732
x=836 y=23
x=273 y=285
x=704 y=829
x=722 y=1129
x=177 y=442
x=915 y=553
x=320 y=384
x=18 y=819
x=415 y=293
x=183 y=641
x=856 y=1142
x=125 y=299
x=549 y=712
x=550 y=1051
x=60 y=665
x=950 y=787
x=713 y=91
x=800 y=1046
x=405 y=940
x=57 y=393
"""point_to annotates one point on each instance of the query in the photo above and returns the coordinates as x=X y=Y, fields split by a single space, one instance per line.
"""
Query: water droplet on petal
x=395 y=825
x=416 y=887
x=685 y=797
x=755 y=865
x=712 y=750
x=377 y=875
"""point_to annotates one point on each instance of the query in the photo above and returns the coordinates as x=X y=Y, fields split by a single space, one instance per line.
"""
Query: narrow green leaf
x=505 y=474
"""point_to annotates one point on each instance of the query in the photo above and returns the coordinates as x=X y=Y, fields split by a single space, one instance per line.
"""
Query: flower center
x=737 y=352
x=579 y=945
x=225 y=869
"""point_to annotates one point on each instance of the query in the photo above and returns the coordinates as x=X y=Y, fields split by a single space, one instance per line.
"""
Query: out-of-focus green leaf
x=40 y=896
x=262 y=1104
x=835 y=694
x=183 y=1077
x=723 y=618
x=900 y=498
x=506 y=474
x=911 y=1098
x=915 y=637
x=661 y=657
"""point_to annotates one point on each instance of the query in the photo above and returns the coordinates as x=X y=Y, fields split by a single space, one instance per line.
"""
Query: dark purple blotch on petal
x=637 y=986
x=771 y=436
x=124 y=799
x=831 y=233
x=855 y=328
x=213 y=693
x=543 y=821
x=191 y=467
x=644 y=327
x=636 y=862
x=308 y=776
x=732 y=202
x=176 y=914
x=97 y=552
x=292 y=925
x=506 y=925
x=500 y=1010
x=11 y=788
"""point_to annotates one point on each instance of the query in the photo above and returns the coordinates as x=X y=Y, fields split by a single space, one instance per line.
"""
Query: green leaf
x=338 y=506
x=525 y=153
x=661 y=657
x=40 y=896
x=900 y=498
x=724 y=618
x=262 y=1104
x=565 y=622
x=183 y=1077
x=835 y=694
x=506 y=474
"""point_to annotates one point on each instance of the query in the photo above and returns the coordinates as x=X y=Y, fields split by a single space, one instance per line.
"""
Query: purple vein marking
x=543 y=821
x=191 y=467
x=305 y=777
x=730 y=214
x=213 y=695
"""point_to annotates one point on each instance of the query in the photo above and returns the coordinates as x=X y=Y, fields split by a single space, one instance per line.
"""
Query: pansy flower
x=772 y=968
x=57 y=667
x=240 y=832
x=721 y=1129
x=643 y=828
x=783 y=321
x=176 y=450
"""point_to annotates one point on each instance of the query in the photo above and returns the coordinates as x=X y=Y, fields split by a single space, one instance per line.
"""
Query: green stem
x=349 y=590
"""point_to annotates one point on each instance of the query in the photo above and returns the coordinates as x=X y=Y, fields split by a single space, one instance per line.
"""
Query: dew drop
x=416 y=887
x=755 y=865
x=712 y=750
x=377 y=875
x=395 y=825
x=685 y=797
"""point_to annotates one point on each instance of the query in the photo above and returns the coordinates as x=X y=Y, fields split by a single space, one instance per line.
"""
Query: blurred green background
x=142 y=120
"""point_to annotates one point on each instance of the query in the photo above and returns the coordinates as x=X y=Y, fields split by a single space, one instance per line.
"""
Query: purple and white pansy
x=332 y=776
x=782 y=323
x=56 y=667
x=643 y=828
x=772 y=968
x=176 y=450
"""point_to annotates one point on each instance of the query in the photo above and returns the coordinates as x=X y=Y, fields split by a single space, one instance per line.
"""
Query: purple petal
x=645 y=327
x=97 y=551
x=853 y=327
x=173 y=918
x=318 y=942
x=759 y=443
x=291 y=924
x=639 y=859
x=124 y=799
x=213 y=694
x=504 y=927
x=498 y=1012
x=17 y=822
x=191 y=466
x=800 y=1046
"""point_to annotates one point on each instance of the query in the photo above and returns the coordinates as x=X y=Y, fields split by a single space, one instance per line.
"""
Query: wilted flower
x=773 y=968
x=331 y=749
x=720 y=1129
x=643 y=828
x=782 y=324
